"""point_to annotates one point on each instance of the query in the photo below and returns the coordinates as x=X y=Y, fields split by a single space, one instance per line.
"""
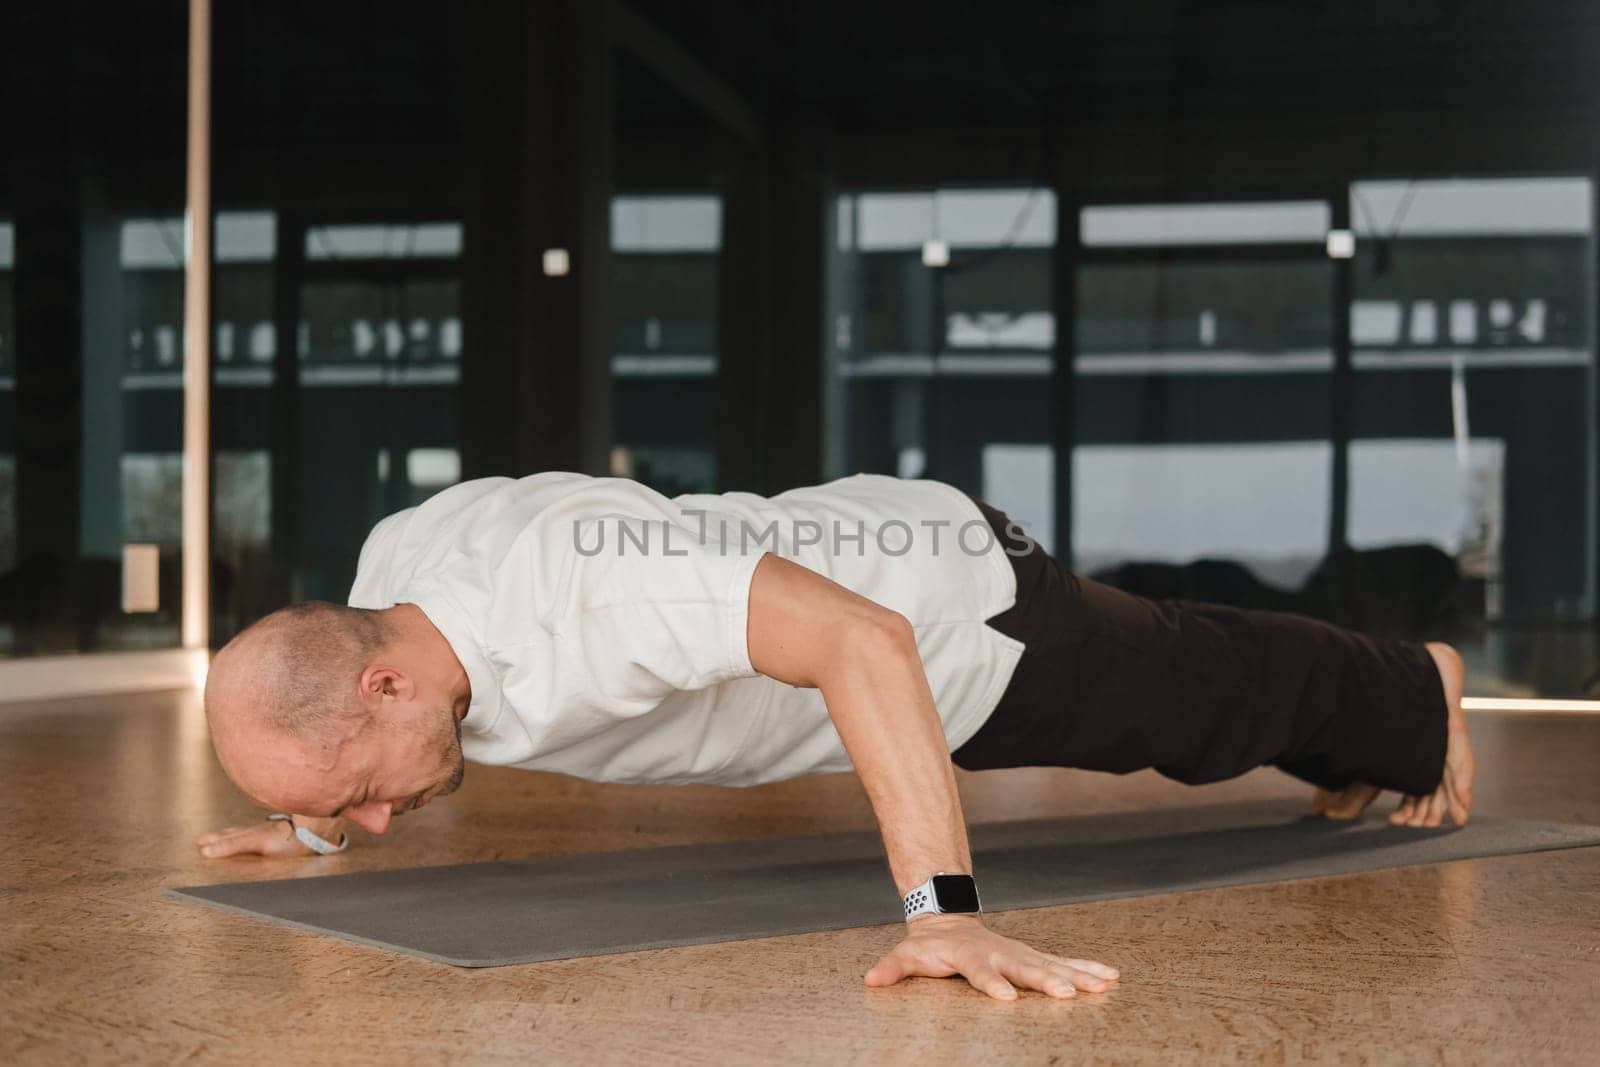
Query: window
x=941 y=346
x=1203 y=365
x=1473 y=409
x=665 y=254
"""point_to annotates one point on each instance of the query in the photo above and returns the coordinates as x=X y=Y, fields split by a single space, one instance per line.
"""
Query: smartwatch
x=314 y=841
x=942 y=894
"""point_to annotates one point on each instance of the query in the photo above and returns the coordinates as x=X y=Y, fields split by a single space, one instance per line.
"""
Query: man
x=594 y=627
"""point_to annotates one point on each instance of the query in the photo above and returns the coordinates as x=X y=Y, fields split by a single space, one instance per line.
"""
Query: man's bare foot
x=1454 y=795
x=1346 y=803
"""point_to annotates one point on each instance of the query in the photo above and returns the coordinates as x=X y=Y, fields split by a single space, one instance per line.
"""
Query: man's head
x=320 y=709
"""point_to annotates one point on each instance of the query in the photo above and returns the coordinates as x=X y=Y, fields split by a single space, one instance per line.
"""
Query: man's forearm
x=805 y=630
x=877 y=694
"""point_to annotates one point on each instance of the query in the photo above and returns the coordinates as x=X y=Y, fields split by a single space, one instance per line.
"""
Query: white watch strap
x=311 y=839
x=920 y=900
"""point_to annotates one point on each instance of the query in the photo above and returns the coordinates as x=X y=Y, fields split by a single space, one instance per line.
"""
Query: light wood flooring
x=1494 y=960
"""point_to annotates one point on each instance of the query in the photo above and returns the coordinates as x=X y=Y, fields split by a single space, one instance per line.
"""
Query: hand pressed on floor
x=940 y=946
x=268 y=838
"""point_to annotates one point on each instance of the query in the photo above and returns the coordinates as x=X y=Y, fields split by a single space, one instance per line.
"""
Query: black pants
x=1113 y=682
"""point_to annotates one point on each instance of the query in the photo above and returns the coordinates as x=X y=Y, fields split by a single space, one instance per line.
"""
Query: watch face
x=955 y=892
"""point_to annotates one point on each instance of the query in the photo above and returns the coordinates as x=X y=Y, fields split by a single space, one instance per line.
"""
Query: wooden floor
x=1483 y=960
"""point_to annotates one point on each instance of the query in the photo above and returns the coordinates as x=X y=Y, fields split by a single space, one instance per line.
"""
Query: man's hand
x=272 y=838
x=939 y=946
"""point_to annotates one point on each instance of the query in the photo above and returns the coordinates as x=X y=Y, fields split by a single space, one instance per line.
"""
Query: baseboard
x=96 y=673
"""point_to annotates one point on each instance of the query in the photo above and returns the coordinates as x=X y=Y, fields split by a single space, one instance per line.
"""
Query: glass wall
x=247 y=578
x=377 y=355
x=1207 y=427
x=91 y=341
x=311 y=451
x=665 y=258
x=337 y=289
x=941 y=341
x=1473 y=411
x=1201 y=403
x=137 y=416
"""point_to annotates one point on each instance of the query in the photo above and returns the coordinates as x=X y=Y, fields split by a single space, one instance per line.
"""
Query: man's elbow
x=877 y=636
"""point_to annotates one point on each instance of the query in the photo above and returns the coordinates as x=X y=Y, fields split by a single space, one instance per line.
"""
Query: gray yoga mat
x=544 y=908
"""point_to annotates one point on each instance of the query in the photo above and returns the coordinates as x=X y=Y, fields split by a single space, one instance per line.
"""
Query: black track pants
x=1113 y=682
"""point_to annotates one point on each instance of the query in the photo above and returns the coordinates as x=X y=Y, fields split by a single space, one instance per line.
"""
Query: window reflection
x=1203 y=387
x=1152 y=225
x=367 y=424
x=244 y=342
x=1474 y=342
x=665 y=258
x=378 y=348
x=941 y=342
x=249 y=576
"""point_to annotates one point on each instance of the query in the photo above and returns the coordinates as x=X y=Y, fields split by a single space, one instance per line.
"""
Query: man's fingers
x=986 y=978
x=1099 y=970
x=1046 y=976
x=263 y=839
x=886 y=971
x=248 y=839
x=1079 y=977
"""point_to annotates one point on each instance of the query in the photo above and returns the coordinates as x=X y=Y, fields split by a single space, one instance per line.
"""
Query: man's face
x=406 y=758
x=407 y=753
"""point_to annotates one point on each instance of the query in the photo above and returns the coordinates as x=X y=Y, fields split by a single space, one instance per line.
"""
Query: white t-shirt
x=602 y=625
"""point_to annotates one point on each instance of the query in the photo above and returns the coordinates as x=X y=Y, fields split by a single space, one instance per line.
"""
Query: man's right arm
x=267 y=838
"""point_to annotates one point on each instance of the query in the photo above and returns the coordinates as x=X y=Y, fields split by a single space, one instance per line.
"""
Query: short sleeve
x=658 y=608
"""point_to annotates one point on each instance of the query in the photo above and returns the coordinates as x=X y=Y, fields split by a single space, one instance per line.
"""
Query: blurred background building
x=1287 y=305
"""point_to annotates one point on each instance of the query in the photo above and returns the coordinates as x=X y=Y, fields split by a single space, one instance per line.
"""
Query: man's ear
x=379 y=681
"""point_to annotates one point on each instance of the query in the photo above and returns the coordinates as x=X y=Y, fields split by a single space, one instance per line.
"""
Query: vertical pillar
x=287 y=271
x=535 y=387
x=1064 y=380
x=771 y=309
x=1339 y=418
x=1589 y=602
x=197 y=339
x=743 y=317
x=40 y=593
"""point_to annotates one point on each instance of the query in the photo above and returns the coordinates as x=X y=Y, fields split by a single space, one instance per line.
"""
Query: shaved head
x=321 y=709
x=293 y=676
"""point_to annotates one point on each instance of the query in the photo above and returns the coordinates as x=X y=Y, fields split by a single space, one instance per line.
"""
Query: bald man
x=898 y=628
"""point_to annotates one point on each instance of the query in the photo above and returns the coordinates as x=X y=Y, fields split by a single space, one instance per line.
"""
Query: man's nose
x=372 y=817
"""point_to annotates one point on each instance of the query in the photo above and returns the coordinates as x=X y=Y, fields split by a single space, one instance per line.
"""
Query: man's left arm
x=808 y=631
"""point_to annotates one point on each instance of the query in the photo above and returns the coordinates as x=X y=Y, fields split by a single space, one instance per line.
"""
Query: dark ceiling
x=364 y=72
x=881 y=66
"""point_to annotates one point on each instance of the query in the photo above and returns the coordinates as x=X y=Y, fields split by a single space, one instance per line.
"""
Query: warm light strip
x=1530 y=704
x=197 y=338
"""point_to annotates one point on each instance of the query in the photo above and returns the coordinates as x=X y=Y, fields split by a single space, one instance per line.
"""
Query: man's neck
x=411 y=629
